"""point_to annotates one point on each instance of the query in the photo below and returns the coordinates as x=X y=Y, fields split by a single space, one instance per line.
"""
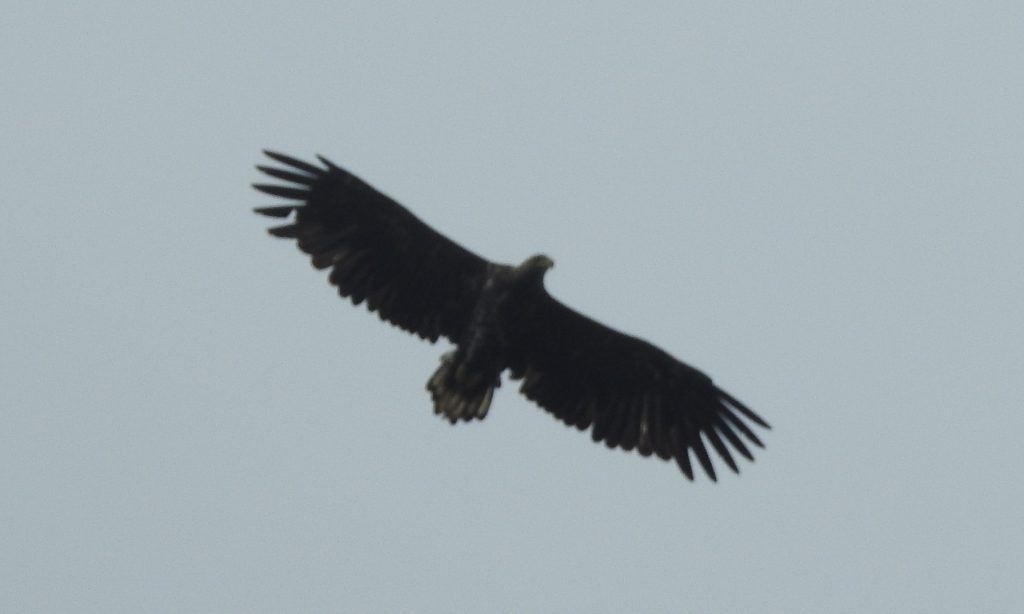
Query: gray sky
x=819 y=204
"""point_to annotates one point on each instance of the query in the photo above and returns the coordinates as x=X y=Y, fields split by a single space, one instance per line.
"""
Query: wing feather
x=631 y=393
x=378 y=252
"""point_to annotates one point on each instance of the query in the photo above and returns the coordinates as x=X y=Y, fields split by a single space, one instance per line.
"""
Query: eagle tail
x=460 y=393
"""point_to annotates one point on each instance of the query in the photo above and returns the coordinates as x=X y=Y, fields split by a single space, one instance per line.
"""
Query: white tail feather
x=454 y=398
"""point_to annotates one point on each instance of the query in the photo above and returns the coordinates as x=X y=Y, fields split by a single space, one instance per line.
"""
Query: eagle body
x=628 y=392
x=462 y=388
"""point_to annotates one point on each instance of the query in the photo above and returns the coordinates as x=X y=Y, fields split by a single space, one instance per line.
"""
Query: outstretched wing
x=377 y=251
x=631 y=393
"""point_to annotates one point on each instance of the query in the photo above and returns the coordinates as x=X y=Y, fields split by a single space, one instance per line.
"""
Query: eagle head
x=534 y=267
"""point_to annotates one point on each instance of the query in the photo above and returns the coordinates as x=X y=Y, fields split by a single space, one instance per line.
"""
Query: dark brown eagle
x=630 y=393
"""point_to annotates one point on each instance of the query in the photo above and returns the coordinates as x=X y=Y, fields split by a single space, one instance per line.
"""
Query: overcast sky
x=819 y=204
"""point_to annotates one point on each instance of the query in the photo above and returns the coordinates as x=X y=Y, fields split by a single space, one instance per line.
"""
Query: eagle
x=630 y=394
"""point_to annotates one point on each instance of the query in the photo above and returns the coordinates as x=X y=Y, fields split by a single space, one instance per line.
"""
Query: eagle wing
x=631 y=394
x=377 y=251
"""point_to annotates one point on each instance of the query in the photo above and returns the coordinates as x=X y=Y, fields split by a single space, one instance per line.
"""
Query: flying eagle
x=630 y=393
